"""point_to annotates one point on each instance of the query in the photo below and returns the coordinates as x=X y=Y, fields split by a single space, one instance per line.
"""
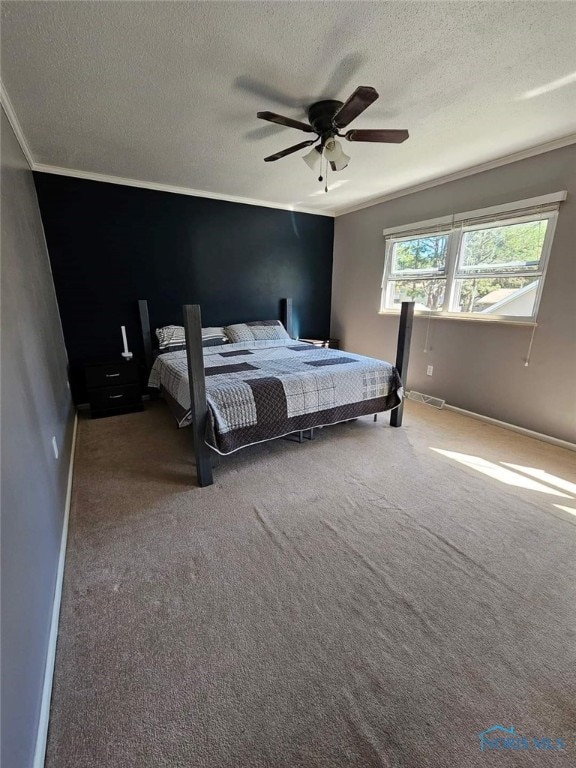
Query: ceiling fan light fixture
x=335 y=155
x=312 y=159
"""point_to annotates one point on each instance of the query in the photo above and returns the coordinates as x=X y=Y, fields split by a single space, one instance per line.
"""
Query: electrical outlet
x=55 y=446
x=430 y=370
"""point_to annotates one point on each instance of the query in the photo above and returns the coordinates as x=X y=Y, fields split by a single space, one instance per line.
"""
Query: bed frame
x=196 y=376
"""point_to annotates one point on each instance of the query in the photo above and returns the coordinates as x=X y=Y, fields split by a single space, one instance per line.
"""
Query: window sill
x=466 y=318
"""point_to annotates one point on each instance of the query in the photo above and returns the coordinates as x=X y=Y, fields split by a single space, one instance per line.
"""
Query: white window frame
x=454 y=227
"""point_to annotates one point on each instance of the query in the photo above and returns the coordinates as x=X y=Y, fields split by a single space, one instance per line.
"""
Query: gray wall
x=477 y=366
x=35 y=405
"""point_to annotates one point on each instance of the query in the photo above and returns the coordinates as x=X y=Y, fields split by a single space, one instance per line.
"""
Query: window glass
x=428 y=294
x=508 y=296
x=509 y=248
x=420 y=255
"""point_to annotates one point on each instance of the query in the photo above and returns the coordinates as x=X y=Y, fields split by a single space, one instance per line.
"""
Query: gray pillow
x=259 y=330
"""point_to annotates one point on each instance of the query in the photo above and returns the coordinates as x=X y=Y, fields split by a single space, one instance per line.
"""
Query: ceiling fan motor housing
x=321 y=117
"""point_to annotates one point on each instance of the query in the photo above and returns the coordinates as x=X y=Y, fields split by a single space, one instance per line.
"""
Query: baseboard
x=42 y=733
x=513 y=428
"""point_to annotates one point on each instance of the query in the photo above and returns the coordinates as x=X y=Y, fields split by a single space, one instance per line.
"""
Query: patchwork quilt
x=264 y=389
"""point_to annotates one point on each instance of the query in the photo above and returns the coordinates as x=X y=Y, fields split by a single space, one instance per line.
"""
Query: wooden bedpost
x=403 y=355
x=286 y=315
x=146 y=338
x=197 y=381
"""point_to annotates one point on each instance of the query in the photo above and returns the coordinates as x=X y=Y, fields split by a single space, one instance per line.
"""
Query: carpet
x=376 y=597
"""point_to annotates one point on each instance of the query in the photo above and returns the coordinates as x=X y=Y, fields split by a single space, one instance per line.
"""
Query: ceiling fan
x=325 y=119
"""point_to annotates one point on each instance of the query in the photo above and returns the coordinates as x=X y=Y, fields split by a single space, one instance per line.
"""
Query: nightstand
x=327 y=343
x=113 y=387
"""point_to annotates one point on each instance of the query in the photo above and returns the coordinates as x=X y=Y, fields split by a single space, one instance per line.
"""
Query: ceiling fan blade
x=284 y=152
x=272 y=117
x=360 y=100
x=385 y=136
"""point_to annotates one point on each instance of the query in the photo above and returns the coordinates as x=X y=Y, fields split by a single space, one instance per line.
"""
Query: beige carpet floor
x=377 y=597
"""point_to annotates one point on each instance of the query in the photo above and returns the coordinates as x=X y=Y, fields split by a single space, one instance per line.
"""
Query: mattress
x=261 y=390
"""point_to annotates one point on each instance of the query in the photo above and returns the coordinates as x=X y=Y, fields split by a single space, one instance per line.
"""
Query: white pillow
x=213 y=333
x=171 y=336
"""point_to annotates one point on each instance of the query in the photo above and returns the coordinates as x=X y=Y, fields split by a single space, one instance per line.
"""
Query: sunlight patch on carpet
x=499 y=473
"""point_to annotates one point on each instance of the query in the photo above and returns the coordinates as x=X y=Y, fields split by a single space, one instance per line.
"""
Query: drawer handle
x=112 y=375
x=114 y=397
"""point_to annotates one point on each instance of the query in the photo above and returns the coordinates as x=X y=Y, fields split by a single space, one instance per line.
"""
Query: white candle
x=124 y=339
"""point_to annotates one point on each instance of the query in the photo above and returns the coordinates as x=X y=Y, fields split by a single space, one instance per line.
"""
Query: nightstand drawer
x=111 y=374
x=105 y=398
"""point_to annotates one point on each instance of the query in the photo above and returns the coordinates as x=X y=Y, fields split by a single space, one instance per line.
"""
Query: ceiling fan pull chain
x=326 y=187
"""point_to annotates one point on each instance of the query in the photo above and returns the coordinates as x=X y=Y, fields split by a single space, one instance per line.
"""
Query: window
x=486 y=266
x=418 y=271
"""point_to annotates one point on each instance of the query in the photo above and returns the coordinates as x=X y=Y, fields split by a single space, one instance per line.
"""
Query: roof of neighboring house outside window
x=512 y=295
x=498 y=295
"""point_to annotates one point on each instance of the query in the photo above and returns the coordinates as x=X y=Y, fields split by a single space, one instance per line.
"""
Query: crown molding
x=90 y=176
x=15 y=123
x=523 y=154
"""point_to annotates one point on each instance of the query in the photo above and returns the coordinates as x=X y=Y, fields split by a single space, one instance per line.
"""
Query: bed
x=238 y=394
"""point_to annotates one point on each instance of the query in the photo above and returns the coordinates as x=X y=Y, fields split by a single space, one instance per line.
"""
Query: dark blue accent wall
x=111 y=245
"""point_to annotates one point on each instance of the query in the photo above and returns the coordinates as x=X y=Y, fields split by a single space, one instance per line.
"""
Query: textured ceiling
x=167 y=92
